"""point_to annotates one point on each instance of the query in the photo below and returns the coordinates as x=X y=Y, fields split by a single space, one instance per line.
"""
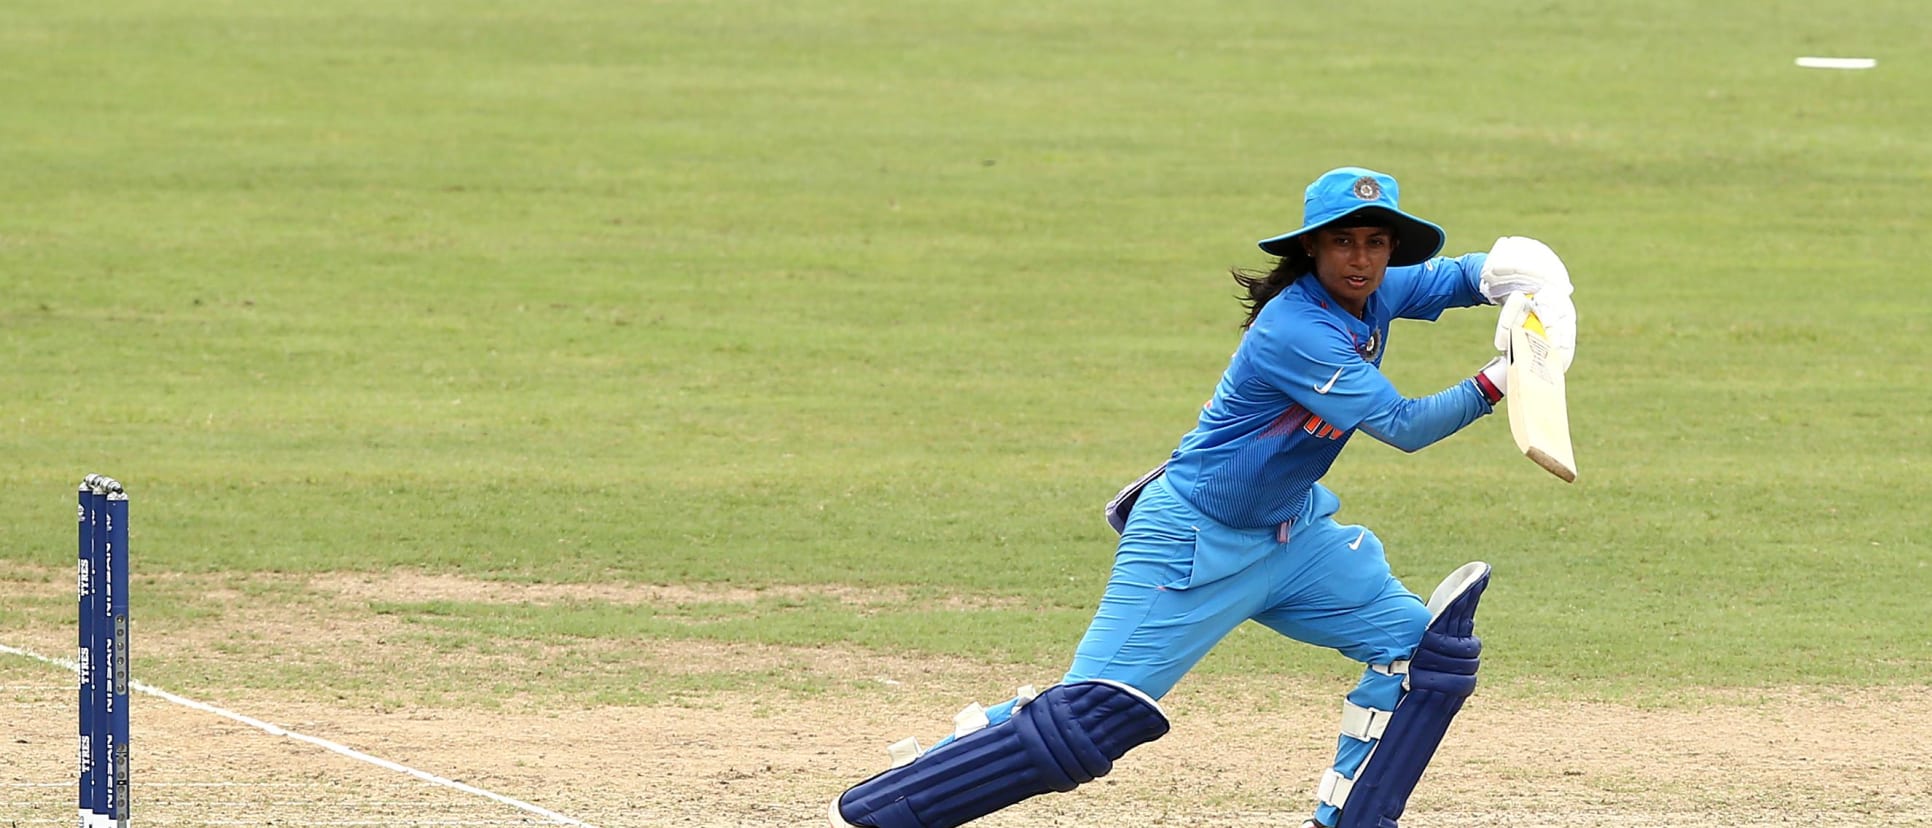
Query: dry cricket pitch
x=1242 y=752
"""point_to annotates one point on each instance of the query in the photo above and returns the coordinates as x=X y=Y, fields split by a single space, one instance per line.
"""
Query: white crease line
x=149 y=783
x=337 y=804
x=371 y=823
x=277 y=730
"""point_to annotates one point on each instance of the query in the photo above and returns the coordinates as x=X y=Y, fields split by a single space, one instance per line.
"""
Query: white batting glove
x=1518 y=265
x=1558 y=315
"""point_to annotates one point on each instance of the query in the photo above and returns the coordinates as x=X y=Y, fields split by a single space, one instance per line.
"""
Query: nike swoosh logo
x=1323 y=389
x=1358 y=540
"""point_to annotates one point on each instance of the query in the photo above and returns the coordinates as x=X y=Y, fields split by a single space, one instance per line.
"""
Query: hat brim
x=1415 y=240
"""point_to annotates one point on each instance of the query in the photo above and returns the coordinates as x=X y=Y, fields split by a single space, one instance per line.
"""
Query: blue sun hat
x=1361 y=196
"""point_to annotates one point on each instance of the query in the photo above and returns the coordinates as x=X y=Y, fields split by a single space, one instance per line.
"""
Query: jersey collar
x=1368 y=333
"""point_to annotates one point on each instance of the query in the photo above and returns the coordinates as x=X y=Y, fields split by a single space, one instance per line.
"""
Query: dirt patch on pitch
x=1239 y=754
x=1243 y=755
x=1242 y=751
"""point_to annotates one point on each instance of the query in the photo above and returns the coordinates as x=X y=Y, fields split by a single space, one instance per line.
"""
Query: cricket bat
x=1539 y=416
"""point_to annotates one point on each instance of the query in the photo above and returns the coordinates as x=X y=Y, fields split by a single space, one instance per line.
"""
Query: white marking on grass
x=1837 y=63
x=277 y=730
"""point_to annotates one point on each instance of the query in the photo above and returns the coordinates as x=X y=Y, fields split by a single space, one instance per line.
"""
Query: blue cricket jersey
x=1308 y=375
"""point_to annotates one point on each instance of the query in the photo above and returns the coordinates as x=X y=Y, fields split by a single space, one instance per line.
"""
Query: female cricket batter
x=1235 y=526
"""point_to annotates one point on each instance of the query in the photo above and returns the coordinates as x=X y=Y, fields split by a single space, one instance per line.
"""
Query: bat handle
x=1516 y=308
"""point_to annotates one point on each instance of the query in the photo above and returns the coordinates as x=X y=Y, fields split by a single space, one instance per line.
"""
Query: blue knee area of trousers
x=1442 y=674
x=1377 y=690
x=1070 y=734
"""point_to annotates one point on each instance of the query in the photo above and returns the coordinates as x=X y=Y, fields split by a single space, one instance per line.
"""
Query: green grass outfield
x=895 y=296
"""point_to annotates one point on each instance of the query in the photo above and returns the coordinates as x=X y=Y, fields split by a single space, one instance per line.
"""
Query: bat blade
x=1539 y=413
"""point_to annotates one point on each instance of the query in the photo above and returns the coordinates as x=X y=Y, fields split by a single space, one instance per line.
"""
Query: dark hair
x=1262 y=287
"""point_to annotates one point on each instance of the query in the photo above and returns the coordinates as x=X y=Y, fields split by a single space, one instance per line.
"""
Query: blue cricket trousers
x=1181 y=582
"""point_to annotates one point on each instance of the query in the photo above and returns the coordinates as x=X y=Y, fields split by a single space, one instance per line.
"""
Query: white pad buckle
x=1363 y=724
x=903 y=751
x=1394 y=668
x=1334 y=788
x=1025 y=696
x=970 y=719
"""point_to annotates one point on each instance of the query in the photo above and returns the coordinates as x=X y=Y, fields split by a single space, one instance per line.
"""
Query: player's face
x=1350 y=262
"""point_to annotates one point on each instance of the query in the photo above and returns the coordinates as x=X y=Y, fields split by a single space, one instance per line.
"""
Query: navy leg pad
x=1070 y=734
x=1441 y=675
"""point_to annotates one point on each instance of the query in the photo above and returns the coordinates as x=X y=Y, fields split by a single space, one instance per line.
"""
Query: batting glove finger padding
x=1519 y=264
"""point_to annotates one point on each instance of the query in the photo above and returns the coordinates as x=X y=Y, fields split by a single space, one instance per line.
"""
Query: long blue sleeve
x=1424 y=291
x=1411 y=424
x=1306 y=376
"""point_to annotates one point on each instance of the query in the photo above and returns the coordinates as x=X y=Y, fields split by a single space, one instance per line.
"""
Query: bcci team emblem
x=1367 y=188
x=1374 y=345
